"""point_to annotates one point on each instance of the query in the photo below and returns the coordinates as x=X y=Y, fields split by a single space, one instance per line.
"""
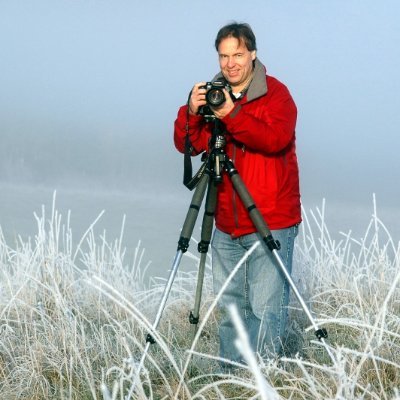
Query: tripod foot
x=321 y=333
x=150 y=339
x=192 y=319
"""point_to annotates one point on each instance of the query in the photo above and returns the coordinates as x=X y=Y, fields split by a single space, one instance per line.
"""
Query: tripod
x=207 y=178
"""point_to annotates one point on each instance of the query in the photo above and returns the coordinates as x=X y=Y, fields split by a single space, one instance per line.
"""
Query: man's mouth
x=233 y=72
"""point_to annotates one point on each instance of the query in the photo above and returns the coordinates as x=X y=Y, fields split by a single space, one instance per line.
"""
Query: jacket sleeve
x=198 y=131
x=266 y=124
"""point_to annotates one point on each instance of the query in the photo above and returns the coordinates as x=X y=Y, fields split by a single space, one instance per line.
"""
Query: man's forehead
x=240 y=43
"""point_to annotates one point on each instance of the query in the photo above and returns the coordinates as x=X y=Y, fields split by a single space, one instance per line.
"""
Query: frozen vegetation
x=74 y=320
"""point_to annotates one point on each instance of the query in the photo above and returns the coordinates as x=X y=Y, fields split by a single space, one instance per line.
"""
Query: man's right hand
x=197 y=98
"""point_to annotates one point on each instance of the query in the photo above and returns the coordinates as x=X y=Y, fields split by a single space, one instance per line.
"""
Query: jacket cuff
x=234 y=112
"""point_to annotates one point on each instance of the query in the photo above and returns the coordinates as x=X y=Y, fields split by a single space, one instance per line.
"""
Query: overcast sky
x=89 y=90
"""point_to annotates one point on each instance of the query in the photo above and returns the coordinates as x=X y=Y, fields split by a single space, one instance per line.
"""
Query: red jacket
x=261 y=143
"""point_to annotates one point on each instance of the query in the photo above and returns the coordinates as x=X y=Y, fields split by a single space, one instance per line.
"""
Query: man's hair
x=242 y=32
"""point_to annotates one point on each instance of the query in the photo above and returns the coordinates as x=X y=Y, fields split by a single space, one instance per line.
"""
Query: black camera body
x=215 y=96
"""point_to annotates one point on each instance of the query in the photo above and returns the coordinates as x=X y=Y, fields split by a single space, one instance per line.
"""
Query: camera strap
x=187 y=160
x=189 y=180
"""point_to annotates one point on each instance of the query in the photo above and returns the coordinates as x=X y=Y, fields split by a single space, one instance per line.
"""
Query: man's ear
x=253 y=55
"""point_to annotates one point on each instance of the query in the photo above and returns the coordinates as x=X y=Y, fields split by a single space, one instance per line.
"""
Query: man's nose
x=231 y=62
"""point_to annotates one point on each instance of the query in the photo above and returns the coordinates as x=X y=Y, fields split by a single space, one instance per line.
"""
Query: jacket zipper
x=234 y=195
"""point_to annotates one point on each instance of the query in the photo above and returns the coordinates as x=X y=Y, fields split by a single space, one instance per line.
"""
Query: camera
x=215 y=96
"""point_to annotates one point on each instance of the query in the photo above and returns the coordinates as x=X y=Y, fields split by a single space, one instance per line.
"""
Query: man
x=259 y=123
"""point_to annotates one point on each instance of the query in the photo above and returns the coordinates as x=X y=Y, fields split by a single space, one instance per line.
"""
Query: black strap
x=187 y=160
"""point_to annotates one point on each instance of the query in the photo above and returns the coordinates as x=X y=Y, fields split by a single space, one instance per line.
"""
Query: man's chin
x=234 y=79
x=232 y=82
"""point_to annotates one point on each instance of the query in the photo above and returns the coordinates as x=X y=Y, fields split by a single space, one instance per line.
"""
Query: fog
x=90 y=90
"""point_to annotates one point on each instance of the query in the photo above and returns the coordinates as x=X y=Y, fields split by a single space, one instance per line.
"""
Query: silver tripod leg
x=183 y=245
x=194 y=316
x=272 y=244
x=149 y=339
x=320 y=333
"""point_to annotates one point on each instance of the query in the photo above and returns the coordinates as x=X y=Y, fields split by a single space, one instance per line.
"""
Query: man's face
x=236 y=62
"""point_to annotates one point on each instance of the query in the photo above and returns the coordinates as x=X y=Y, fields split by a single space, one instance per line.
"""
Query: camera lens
x=215 y=97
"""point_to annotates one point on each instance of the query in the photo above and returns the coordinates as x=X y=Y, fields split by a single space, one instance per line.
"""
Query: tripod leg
x=206 y=232
x=266 y=235
x=193 y=212
x=183 y=245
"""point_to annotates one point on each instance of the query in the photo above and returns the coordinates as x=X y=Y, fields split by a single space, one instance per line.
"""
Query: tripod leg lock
x=183 y=244
x=202 y=247
x=150 y=339
x=192 y=319
x=321 y=333
x=271 y=243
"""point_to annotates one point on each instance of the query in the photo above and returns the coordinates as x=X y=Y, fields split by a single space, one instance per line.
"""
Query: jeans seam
x=285 y=285
x=246 y=291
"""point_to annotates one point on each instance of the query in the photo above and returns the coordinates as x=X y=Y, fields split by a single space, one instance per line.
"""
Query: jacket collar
x=258 y=85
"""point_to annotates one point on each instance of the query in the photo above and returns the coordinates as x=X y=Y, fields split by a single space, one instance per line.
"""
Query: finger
x=198 y=85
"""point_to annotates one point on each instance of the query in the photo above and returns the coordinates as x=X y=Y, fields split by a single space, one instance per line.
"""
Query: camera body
x=215 y=96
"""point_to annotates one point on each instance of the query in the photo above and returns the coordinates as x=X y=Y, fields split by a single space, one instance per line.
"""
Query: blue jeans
x=259 y=290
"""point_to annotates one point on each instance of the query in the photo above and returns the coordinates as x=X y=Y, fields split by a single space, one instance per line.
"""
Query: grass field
x=73 y=321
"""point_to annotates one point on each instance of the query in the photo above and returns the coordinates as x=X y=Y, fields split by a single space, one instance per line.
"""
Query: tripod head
x=217 y=153
x=214 y=159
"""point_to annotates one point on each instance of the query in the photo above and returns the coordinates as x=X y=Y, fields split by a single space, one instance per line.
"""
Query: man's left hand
x=225 y=108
